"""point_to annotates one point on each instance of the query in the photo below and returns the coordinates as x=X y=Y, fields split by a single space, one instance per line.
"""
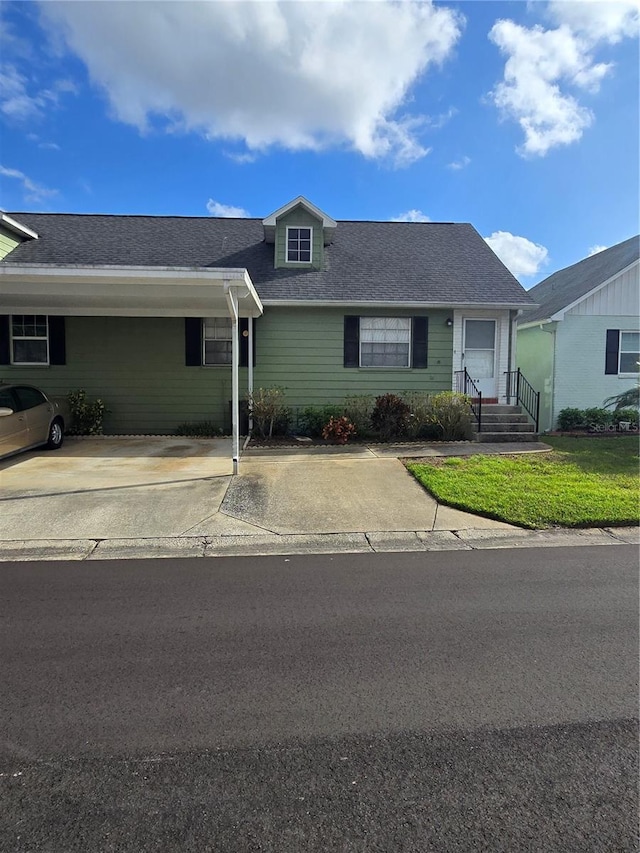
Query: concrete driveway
x=114 y=487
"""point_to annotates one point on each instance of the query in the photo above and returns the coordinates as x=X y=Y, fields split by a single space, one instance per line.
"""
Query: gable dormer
x=299 y=232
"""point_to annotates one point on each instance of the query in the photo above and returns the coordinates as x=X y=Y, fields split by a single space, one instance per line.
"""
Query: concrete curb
x=323 y=543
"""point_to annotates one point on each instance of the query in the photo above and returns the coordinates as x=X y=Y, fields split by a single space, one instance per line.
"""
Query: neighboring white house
x=581 y=344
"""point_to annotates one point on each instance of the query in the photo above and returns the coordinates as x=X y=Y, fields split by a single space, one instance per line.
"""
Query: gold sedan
x=28 y=419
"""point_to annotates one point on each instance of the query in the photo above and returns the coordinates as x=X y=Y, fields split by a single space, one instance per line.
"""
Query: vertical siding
x=580 y=380
x=137 y=365
x=620 y=297
x=8 y=242
x=535 y=360
x=294 y=219
x=302 y=351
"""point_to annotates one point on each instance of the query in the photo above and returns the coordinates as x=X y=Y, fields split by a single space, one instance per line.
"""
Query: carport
x=139 y=291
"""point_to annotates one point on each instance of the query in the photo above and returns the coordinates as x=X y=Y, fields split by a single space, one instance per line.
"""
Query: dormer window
x=299 y=245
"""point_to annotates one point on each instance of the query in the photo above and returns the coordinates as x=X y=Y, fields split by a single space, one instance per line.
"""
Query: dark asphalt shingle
x=367 y=261
x=565 y=286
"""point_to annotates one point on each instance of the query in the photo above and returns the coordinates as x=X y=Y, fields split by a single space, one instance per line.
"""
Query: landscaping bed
x=583 y=482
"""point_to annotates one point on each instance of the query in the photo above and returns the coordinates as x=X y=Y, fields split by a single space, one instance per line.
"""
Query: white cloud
x=296 y=75
x=519 y=255
x=462 y=163
x=412 y=215
x=595 y=249
x=228 y=211
x=543 y=63
x=32 y=191
x=17 y=102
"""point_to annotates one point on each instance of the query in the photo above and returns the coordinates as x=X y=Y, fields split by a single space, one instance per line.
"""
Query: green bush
x=270 y=414
x=86 y=415
x=419 y=425
x=630 y=415
x=312 y=419
x=358 y=409
x=390 y=416
x=451 y=413
x=199 y=429
x=597 y=417
x=571 y=419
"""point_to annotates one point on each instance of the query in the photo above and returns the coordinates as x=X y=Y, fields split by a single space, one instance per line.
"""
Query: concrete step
x=510 y=418
x=507 y=426
x=506 y=437
x=500 y=409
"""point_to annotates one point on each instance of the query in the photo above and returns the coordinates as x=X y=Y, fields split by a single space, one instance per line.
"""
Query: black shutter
x=613 y=346
x=244 y=342
x=57 y=341
x=351 y=341
x=5 y=353
x=193 y=341
x=419 y=341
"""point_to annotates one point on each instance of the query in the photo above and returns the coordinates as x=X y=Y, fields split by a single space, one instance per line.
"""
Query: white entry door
x=479 y=354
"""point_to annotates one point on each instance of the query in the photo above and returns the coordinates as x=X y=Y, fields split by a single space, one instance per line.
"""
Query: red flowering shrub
x=338 y=430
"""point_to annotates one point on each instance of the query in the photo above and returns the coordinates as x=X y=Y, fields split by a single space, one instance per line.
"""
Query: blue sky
x=521 y=118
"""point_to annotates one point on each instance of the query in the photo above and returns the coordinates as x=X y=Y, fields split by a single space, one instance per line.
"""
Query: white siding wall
x=580 y=380
x=621 y=297
x=502 y=342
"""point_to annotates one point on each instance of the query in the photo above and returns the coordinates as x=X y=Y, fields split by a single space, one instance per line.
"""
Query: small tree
x=268 y=408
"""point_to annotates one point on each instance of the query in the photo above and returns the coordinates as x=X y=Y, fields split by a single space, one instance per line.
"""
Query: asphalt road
x=454 y=701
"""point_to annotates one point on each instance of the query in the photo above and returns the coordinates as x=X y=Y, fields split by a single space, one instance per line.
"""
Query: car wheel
x=56 y=435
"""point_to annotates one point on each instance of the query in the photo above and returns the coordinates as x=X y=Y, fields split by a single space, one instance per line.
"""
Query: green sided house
x=168 y=319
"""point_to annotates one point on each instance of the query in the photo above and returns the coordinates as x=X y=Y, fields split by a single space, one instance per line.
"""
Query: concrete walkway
x=125 y=498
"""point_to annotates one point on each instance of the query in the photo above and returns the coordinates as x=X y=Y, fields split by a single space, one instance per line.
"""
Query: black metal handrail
x=524 y=393
x=466 y=385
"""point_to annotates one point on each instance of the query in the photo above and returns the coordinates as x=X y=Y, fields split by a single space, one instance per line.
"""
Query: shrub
x=630 y=415
x=199 y=429
x=571 y=419
x=390 y=416
x=313 y=419
x=270 y=414
x=86 y=415
x=419 y=424
x=338 y=430
x=451 y=414
x=358 y=409
x=597 y=417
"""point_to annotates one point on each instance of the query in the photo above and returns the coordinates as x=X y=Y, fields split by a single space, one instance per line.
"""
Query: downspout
x=250 y=374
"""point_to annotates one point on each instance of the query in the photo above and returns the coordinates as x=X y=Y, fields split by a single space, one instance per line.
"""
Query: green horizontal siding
x=299 y=218
x=301 y=349
x=8 y=242
x=137 y=366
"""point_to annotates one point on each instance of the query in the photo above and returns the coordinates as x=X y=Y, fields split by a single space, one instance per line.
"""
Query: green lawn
x=583 y=482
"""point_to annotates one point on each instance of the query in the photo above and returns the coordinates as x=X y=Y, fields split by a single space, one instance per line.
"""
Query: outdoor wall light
x=449 y=322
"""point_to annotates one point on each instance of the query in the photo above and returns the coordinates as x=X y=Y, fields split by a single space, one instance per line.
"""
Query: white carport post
x=232 y=302
x=250 y=373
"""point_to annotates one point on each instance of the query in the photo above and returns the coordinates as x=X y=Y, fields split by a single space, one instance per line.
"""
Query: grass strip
x=583 y=482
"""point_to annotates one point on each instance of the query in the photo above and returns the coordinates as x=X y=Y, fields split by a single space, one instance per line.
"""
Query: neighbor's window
x=299 y=244
x=629 y=352
x=217 y=340
x=385 y=341
x=29 y=339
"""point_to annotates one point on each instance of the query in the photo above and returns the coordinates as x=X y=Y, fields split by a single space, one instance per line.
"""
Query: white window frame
x=406 y=366
x=299 y=228
x=14 y=338
x=206 y=363
x=626 y=351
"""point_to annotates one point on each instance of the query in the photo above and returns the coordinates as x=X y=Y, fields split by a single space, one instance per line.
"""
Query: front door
x=479 y=354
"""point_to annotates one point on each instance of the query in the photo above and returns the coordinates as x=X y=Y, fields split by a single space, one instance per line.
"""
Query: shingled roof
x=384 y=262
x=566 y=286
